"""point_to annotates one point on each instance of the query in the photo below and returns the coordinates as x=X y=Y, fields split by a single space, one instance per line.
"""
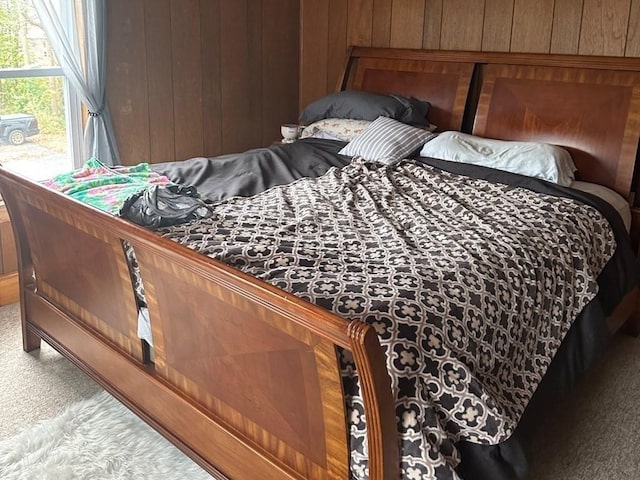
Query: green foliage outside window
x=39 y=96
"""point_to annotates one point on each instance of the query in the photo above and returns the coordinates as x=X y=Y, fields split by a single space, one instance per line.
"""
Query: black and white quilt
x=470 y=285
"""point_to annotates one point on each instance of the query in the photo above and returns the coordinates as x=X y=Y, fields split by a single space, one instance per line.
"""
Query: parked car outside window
x=16 y=127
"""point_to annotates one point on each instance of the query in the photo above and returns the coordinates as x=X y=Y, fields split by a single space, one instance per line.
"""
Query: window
x=40 y=121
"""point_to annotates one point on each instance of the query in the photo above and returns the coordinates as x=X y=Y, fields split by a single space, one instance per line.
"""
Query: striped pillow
x=387 y=141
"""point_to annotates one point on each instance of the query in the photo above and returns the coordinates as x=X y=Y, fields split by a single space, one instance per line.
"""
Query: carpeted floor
x=593 y=434
x=37 y=385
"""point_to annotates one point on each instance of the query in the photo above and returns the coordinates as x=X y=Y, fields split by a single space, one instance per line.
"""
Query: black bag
x=165 y=205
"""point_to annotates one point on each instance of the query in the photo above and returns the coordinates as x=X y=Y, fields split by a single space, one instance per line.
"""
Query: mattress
x=612 y=198
x=606 y=194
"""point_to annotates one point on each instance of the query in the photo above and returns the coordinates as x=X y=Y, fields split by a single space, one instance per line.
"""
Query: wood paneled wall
x=8 y=261
x=586 y=27
x=200 y=77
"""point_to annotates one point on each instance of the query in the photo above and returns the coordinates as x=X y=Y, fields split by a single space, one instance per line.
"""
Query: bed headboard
x=594 y=113
x=588 y=104
x=444 y=83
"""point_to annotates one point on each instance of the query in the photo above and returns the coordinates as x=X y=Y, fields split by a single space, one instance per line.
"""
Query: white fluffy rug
x=96 y=439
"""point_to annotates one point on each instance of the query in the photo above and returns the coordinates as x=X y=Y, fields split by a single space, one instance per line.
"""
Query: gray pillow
x=387 y=141
x=366 y=106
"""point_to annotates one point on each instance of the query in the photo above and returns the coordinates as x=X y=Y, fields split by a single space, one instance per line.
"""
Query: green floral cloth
x=103 y=187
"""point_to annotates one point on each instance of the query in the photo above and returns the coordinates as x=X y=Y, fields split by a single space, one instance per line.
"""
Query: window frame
x=72 y=104
x=74 y=120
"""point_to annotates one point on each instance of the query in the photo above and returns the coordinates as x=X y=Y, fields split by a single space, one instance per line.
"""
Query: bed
x=271 y=404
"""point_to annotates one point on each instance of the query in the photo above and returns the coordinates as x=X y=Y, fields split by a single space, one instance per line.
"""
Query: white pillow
x=534 y=159
x=387 y=141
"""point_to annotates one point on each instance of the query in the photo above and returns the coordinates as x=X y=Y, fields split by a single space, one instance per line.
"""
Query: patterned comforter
x=471 y=286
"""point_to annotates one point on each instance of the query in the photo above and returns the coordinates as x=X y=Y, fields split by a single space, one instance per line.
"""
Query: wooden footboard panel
x=246 y=378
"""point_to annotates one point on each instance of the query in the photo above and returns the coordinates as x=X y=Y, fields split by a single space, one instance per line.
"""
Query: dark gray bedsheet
x=249 y=173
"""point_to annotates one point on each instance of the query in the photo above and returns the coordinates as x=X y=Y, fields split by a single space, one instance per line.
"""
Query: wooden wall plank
x=604 y=27
x=187 y=78
x=235 y=50
x=127 y=81
x=532 y=22
x=279 y=65
x=462 y=23
x=407 y=24
x=632 y=48
x=254 y=32
x=360 y=20
x=496 y=32
x=235 y=76
x=211 y=77
x=381 y=36
x=9 y=292
x=9 y=289
x=567 y=20
x=160 y=85
x=9 y=262
x=2 y=253
x=432 y=24
x=4 y=219
x=314 y=50
x=338 y=12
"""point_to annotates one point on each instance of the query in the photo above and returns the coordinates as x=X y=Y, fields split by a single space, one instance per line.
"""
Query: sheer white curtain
x=85 y=73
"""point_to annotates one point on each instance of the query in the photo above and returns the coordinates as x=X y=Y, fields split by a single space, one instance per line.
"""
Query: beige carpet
x=37 y=385
x=593 y=434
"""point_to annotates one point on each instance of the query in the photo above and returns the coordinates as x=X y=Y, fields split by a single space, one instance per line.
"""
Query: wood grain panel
x=567 y=20
x=253 y=122
x=158 y=40
x=280 y=88
x=4 y=220
x=381 y=26
x=187 y=78
x=462 y=23
x=444 y=85
x=211 y=77
x=633 y=35
x=100 y=297
x=139 y=34
x=407 y=24
x=9 y=289
x=173 y=64
x=604 y=27
x=496 y=32
x=252 y=367
x=360 y=19
x=532 y=22
x=432 y=24
x=236 y=74
x=338 y=46
x=556 y=105
x=127 y=81
x=314 y=50
x=8 y=254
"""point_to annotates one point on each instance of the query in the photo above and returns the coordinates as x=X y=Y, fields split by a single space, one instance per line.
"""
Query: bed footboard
x=245 y=378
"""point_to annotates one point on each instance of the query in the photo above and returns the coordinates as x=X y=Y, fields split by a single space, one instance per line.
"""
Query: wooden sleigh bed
x=76 y=290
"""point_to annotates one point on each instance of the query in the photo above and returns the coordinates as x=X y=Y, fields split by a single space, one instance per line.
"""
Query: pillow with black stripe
x=387 y=141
